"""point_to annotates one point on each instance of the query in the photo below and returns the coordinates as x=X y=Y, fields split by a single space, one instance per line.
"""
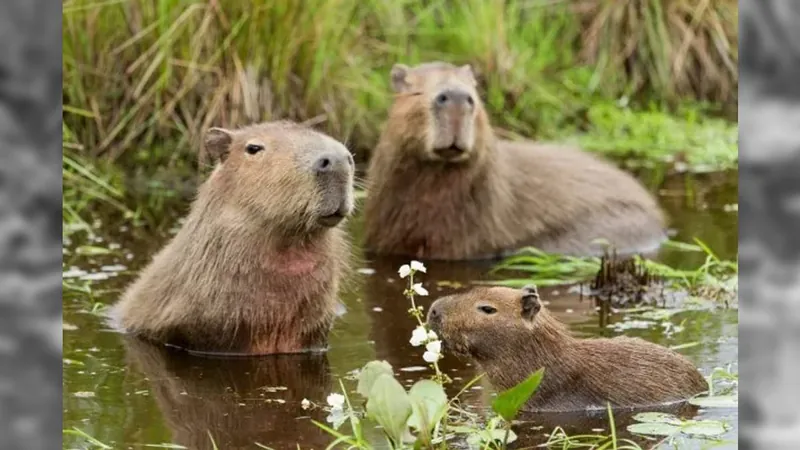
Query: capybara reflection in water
x=442 y=186
x=256 y=266
x=510 y=335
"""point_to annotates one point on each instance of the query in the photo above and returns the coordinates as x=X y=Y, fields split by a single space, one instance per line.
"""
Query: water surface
x=128 y=394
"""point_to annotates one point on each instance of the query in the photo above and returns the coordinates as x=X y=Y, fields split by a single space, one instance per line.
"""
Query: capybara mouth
x=452 y=152
x=331 y=220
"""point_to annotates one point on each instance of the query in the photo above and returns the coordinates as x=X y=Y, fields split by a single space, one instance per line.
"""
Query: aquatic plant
x=715 y=279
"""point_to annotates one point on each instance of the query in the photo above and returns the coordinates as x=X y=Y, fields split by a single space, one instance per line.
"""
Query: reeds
x=144 y=75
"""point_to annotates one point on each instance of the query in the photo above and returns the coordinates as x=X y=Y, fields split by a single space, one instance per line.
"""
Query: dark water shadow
x=237 y=401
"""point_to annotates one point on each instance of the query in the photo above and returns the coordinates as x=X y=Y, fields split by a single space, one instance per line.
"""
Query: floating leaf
x=718 y=401
x=370 y=373
x=654 y=428
x=429 y=404
x=705 y=428
x=482 y=437
x=508 y=403
x=389 y=405
x=657 y=417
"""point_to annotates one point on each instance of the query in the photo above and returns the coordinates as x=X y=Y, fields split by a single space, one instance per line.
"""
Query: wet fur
x=510 y=194
x=248 y=272
x=579 y=373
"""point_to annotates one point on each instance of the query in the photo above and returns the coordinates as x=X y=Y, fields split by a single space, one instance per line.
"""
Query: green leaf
x=508 y=403
x=656 y=417
x=370 y=373
x=429 y=404
x=389 y=405
x=654 y=428
x=705 y=428
x=719 y=401
x=490 y=436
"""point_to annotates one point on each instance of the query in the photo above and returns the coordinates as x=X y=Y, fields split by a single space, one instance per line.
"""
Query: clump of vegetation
x=678 y=47
x=143 y=79
x=715 y=279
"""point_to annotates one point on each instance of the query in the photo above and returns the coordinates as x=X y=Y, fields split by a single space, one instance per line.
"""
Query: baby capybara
x=510 y=335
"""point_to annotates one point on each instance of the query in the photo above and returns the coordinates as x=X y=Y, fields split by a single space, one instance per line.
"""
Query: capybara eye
x=254 y=148
x=487 y=309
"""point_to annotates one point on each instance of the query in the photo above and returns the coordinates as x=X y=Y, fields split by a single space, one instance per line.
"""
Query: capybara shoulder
x=256 y=266
x=442 y=186
x=510 y=335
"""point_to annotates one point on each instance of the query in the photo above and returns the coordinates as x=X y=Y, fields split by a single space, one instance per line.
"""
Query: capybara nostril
x=330 y=162
x=454 y=97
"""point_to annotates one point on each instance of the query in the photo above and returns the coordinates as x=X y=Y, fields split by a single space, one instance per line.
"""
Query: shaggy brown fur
x=508 y=334
x=441 y=186
x=255 y=268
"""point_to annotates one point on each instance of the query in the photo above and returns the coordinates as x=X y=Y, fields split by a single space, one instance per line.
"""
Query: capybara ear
x=399 y=78
x=466 y=71
x=530 y=302
x=218 y=143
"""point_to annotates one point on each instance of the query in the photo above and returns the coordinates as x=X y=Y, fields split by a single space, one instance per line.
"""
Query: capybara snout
x=334 y=171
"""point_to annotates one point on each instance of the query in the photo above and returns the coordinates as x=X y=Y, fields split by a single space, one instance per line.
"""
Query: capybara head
x=439 y=107
x=480 y=323
x=284 y=173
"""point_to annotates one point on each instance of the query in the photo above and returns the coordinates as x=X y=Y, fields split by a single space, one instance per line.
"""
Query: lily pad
x=654 y=428
x=705 y=428
x=717 y=401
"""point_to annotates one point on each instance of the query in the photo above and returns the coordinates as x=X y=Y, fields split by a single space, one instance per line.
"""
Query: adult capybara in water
x=509 y=335
x=442 y=186
x=255 y=268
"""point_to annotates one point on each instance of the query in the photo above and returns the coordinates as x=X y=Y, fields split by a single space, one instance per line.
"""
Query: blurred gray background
x=769 y=227
x=30 y=224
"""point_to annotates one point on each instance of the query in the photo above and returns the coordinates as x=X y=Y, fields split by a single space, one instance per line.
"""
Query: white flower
x=419 y=336
x=336 y=401
x=430 y=357
x=432 y=336
x=305 y=404
x=419 y=290
x=405 y=270
x=434 y=347
x=418 y=266
x=434 y=351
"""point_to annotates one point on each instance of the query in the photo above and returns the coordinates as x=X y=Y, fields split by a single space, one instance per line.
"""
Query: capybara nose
x=433 y=314
x=331 y=162
x=454 y=97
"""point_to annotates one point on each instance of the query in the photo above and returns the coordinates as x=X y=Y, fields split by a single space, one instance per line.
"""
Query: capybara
x=508 y=334
x=442 y=186
x=256 y=266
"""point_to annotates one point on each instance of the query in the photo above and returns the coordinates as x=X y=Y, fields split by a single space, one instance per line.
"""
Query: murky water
x=128 y=394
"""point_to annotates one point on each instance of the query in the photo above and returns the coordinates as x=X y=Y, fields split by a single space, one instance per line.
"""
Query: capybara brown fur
x=508 y=334
x=441 y=185
x=256 y=266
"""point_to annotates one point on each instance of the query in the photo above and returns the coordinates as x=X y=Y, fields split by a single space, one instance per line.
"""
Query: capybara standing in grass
x=255 y=268
x=510 y=335
x=442 y=186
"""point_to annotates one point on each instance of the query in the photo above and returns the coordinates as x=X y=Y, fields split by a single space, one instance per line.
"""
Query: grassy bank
x=142 y=79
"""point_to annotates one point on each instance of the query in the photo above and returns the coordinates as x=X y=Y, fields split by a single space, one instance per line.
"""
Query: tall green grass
x=146 y=74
